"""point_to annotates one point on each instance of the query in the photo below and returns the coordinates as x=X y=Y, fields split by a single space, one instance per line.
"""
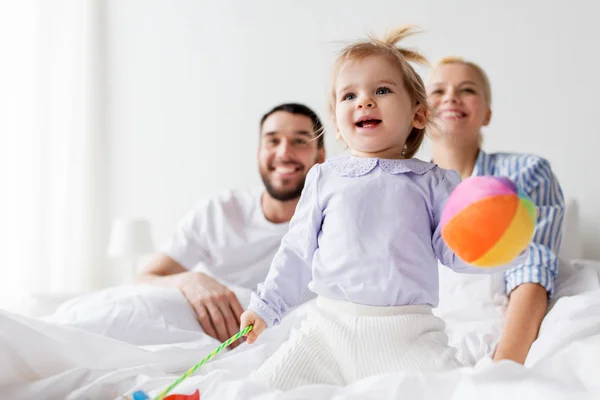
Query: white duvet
x=127 y=338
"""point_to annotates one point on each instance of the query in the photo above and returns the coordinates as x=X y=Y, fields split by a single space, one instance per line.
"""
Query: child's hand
x=251 y=318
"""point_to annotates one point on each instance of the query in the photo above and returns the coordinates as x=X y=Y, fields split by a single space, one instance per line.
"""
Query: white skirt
x=341 y=342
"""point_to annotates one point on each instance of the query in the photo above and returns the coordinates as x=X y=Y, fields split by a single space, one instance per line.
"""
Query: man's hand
x=217 y=307
x=251 y=318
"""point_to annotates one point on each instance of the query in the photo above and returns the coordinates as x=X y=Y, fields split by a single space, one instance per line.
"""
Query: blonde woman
x=460 y=97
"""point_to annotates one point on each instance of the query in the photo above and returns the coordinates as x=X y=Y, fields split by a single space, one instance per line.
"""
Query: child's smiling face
x=374 y=113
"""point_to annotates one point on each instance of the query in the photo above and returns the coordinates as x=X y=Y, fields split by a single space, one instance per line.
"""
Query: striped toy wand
x=206 y=359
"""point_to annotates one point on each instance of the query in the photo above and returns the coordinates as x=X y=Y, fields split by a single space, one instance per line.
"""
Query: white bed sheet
x=473 y=306
x=116 y=341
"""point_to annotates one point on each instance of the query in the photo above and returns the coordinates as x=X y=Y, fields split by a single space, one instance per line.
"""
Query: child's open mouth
x=368 y=123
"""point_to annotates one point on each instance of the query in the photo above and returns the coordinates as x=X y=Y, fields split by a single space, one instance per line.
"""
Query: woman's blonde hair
x=401 y=57
x=487 y=90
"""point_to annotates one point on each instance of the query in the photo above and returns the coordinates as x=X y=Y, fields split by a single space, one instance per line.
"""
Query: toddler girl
x=365 y=236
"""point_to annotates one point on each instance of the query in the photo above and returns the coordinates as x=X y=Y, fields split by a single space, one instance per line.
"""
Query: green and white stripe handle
x=206 y=359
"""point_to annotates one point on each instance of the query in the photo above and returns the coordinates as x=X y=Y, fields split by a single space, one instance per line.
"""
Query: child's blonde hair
x=387 y=47
x=487 y=90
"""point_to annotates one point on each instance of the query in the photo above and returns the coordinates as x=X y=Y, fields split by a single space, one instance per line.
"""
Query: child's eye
x=272 y=142
x=437 y=92
x=383 y=90
x=349 y=96
x=469 y=90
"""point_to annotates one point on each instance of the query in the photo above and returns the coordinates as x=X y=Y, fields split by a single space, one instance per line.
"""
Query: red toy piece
x=194 y=396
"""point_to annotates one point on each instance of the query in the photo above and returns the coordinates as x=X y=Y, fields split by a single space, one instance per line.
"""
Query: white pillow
x=575 y=277
x=571 y=246
x=137 y=314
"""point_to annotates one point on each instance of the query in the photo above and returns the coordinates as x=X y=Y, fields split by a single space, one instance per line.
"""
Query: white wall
x=189 y=80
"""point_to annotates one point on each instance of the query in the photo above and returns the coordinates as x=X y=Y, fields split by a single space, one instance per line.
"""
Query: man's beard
x=284 y=194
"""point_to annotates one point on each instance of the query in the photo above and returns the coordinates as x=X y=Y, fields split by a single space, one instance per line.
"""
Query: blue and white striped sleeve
x=535 y=177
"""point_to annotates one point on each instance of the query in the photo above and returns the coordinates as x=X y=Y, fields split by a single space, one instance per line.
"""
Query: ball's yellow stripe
x=515 y=239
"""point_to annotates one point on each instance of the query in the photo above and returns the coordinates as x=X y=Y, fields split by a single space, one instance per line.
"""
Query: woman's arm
x=526 y=309
x=530 y=285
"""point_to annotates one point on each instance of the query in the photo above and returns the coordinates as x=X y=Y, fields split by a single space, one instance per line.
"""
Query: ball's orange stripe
x=516 y=238
x=476 y=228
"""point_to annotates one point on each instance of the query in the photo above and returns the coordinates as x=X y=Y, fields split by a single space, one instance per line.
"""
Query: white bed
x=119 y=340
